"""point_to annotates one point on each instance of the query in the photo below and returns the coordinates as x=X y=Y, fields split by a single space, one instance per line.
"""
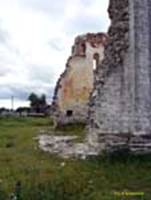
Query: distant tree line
x=38 y=106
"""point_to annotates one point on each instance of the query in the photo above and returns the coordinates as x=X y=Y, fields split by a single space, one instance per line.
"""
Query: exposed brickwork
x=120 y=106
x=74 y=86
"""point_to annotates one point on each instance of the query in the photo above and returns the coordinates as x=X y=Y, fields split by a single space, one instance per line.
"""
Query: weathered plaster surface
x=76 y=83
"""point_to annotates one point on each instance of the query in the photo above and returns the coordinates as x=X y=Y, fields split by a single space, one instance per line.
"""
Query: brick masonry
x=120 y=106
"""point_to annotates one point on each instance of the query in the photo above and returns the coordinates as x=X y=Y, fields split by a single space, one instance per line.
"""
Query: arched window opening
x=94 y=64
x=95 y=61
x=83 y=46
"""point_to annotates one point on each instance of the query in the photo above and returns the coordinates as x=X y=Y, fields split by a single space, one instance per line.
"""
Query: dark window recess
x=95 y=61
x=69 y=113
x=83 y=48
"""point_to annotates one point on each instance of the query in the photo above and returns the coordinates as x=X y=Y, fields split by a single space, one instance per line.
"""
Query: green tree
x=37 y=104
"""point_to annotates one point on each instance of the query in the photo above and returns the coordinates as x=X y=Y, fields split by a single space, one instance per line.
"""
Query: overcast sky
x=35 y=41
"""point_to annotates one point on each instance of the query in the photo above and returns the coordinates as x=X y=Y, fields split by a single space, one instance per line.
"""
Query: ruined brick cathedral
x=120 y=105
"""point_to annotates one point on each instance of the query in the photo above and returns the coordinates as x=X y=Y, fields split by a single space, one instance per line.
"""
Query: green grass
x=77 y=129
x=30 y=174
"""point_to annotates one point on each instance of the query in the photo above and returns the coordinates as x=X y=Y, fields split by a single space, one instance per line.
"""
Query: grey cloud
x=5 y=42
x=3 y=71
x=7 y=91
x=51 y=7
x=3 y=36
x=40 y=73
x=41 y=77
x=87 y=2
x=22 y=92
x=56 y=44
x=7 y=64
x=85 y=23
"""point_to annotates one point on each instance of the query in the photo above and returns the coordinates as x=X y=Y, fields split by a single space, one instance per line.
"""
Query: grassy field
x=26 y=173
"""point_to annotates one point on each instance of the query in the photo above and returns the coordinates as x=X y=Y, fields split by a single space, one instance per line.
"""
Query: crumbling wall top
x=94 y=39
